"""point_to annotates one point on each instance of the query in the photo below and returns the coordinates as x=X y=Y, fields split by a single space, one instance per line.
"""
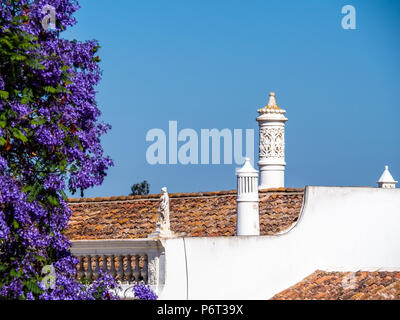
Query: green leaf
x=19 y=135
x=15 y=224
x=17 y=57
x=64 y=195
x=35 y=64
x=38 y=121
x=36 y=188
x=26 y=188
x=32 y=285
x=20 y=273
x=2 y=141
x=6 y=42
x=39 y=258
x=4 y=95
x=53 y=200
x=26 y=96
x=3 y=267
x=3 y=120
x=50 y=89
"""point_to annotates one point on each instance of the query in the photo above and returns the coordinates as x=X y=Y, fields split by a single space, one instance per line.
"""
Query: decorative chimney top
x=386 y=180
x=272 y=107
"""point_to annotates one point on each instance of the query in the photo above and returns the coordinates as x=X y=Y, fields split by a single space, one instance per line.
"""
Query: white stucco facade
x=339 y=229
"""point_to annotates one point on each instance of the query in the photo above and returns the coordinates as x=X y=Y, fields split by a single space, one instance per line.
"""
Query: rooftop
x=361 y=285
x=205 y=214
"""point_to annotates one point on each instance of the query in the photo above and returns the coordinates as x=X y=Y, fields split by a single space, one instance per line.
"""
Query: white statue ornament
x=163 y=212
x=163 y=225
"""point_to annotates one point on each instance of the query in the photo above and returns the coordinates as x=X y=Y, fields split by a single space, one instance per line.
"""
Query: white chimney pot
x=386 y=180
x=247 y=220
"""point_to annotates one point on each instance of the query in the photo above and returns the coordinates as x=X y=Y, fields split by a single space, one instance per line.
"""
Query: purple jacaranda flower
x=143 y=292
x=49 y=141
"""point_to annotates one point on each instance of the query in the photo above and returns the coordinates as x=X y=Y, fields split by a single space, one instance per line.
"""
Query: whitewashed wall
x=340 y=229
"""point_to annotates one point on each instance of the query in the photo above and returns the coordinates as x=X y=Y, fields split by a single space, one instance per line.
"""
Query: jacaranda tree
x=49 y=143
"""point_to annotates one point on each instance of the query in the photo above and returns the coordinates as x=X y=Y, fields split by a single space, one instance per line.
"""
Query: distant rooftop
x=361 y=285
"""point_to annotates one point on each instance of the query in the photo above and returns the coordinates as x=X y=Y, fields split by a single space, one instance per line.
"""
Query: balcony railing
x=128 y=261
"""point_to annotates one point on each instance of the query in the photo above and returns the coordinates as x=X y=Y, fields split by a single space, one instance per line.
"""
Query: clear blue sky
x=211 y=64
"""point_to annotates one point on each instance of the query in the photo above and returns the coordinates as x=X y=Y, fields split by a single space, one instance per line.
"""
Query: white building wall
x=340 y=229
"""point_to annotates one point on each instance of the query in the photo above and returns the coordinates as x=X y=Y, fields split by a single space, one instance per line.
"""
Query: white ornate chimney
x=248 y=221
x=386 y=180
x=272 y=145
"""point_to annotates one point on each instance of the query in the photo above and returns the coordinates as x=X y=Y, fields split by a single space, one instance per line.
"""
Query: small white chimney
x=272 y=145
x=248 y=221
x=386 y=180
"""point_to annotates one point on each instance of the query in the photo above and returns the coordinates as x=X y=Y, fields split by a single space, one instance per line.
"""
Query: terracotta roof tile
x=191 y=214
x=359 y=285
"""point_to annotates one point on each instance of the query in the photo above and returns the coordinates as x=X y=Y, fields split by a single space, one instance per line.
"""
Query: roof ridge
x=178 y=195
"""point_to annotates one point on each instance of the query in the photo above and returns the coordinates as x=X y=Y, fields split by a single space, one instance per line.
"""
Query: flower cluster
x=144 y=292
x=49 y=141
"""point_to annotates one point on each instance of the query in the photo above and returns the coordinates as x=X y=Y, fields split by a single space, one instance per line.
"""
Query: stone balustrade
x=125 y=268
x=128 y=261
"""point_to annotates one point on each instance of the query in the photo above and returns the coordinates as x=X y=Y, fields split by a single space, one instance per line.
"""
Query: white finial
x=386 y=180
x=272 y=101
x=272 y=109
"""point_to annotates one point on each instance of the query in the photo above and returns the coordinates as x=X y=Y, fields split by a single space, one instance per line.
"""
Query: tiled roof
x=191 y=214
x=359 y=285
